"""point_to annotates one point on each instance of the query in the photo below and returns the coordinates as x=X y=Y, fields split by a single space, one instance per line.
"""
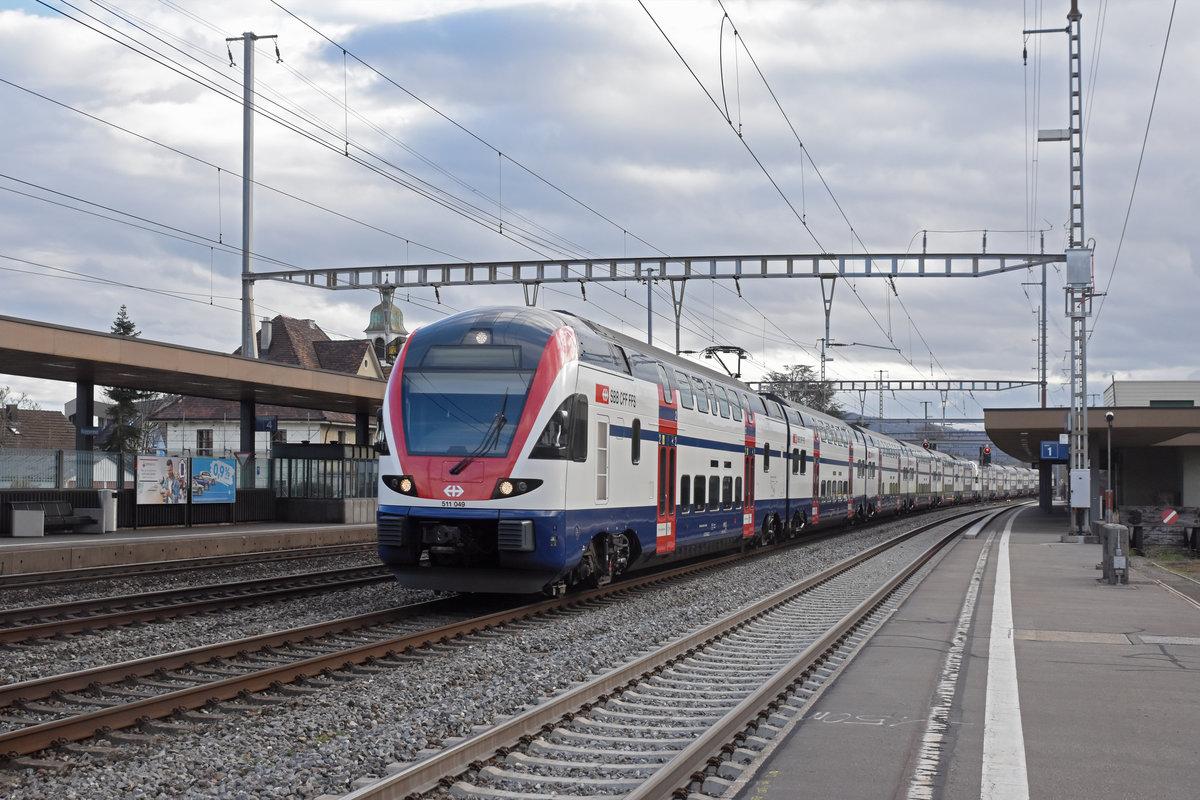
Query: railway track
x=188 y=565
x=682 y=718
x=53 y=711
x=38 y=714
x=35 y=622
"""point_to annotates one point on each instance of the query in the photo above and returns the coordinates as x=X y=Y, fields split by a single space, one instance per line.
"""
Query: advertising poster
x=213 y=480
x=161 y=480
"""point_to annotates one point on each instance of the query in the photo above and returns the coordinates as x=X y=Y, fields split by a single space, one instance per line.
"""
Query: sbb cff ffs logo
x=615 y=397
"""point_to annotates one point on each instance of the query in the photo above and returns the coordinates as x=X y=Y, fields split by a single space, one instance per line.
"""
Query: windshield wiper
x=491 y=438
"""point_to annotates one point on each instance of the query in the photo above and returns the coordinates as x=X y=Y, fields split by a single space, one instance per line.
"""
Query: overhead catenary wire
x=1137 y=174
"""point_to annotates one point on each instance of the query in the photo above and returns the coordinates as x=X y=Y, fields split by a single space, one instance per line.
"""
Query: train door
x=816 y=488
x=668 y=445
x=850 y=471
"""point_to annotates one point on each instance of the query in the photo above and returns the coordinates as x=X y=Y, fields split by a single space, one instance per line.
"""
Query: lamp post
x=1108 y=416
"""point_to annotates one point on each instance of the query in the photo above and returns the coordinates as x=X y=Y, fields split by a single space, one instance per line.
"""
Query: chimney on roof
x=264 y=337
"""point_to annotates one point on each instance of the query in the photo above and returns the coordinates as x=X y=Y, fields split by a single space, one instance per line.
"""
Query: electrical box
x=1081 y=488
x=1079 y=267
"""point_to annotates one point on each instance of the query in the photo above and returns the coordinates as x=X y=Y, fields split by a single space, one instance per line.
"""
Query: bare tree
x=798 y=383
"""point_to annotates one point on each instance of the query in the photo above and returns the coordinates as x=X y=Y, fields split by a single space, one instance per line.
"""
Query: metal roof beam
x=816 y=265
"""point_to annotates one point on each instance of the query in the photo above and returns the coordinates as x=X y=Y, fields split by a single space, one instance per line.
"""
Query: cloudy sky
x=401 y=132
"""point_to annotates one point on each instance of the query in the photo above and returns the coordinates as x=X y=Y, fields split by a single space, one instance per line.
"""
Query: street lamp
x=1108 y=416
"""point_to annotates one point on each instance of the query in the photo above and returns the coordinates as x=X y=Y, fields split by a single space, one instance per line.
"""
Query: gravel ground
x=302 y=747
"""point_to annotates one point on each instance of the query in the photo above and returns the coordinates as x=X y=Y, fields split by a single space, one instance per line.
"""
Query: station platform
x=127 y=546
x=1011 y=672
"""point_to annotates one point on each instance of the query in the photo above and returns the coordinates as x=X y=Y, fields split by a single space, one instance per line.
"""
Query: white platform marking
x=1004 y=775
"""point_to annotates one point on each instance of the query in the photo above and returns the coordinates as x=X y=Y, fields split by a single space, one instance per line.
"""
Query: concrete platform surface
x=68 y=551
x=1101 y=699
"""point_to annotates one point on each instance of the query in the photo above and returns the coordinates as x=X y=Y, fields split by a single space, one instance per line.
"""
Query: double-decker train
x=528 y=450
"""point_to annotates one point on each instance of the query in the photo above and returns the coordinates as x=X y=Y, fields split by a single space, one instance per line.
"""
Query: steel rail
x=23 y=580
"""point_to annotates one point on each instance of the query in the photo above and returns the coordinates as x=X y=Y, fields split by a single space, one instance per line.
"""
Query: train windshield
x=452 y=404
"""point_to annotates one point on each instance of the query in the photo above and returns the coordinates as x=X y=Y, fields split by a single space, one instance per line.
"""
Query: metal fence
x=314 y=478
x=64 y=469
x=75 y=476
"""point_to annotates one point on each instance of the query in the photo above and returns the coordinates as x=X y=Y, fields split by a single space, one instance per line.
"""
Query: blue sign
x=1055 y=451
x=213 y=480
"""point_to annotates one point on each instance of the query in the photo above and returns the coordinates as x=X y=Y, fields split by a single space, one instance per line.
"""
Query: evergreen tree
x=127 y=432
x=799 y=384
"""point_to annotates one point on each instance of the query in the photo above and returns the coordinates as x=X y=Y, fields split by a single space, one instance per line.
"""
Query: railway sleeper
x=540 y=764
x=648 y=713
x=700 y=708
x=610 y=784
x=463 y=789
x=624 y=743
x=644 y=729
x=542 y=747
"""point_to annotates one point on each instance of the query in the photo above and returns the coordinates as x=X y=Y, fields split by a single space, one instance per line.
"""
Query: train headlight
x=512 y=487
x=401 y=483
x=478 y=336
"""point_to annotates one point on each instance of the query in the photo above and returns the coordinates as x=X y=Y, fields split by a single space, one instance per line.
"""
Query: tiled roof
x=342 y=356
x=35 y=430
x=302 y=343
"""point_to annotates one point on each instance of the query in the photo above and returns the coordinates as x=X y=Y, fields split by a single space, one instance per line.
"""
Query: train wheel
x=605 y=558
x=771 y=530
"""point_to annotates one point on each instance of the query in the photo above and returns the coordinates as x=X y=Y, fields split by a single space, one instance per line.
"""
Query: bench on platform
x=36 y=517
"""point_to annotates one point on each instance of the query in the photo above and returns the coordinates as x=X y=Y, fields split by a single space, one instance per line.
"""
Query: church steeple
x=386 y=328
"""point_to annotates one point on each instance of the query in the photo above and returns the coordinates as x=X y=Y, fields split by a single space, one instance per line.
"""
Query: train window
x=698 y=494
x=824 y=488
x=621 y=359
x=803 y=462
x=635 y=442
x=685 y=389
x=766 y=456
x=701 y=396
x=735 y=406
x=737 y=492
x=566 y=434
x=602 y=460
x=665 y=382
x=712 y=399
x=685 y=494
x=722 y=401
x=714 y=493
x=795 y=461
x=727 y=492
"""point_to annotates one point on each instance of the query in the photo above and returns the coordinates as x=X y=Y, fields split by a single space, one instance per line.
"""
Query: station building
x=1154 y=470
